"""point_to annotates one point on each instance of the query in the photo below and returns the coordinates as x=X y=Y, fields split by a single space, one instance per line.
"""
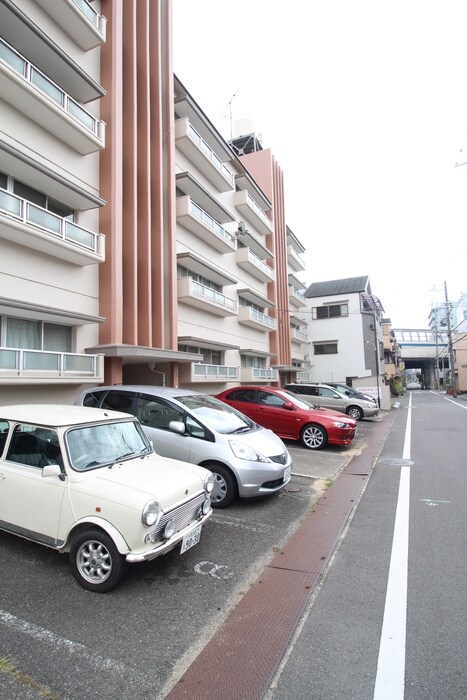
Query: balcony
x=200 y=154
x=252 y=212
x=298 y=336
x=195 y=294
x=199 y=222
x=294 y=259
x=254 y=375
x=78 y=19
x=250 y=262
x=28 y=90
x=34 y=227
x=296 y=298
x=18 y=366
x=198 y=372
x=255 y=319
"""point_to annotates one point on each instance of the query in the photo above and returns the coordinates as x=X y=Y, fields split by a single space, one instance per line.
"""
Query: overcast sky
x=363 y=103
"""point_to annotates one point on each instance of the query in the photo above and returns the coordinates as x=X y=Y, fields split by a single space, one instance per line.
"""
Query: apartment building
x=136 y=245
x=51 y=246
x=346 y=336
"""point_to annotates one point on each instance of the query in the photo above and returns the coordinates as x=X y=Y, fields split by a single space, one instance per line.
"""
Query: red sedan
x=290 y=417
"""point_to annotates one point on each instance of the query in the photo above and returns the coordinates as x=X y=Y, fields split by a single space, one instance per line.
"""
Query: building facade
x=136 y=244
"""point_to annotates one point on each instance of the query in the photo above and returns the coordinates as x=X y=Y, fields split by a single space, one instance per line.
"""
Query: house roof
x=348 y=285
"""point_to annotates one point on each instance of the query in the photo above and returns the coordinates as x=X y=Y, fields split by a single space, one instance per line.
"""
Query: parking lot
x=134 y=642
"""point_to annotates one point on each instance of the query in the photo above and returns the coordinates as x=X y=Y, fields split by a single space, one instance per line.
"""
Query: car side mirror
x=177 y=426
x=53 y=470
x=288 y=406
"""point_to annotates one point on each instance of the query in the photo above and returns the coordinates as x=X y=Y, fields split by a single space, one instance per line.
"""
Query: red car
x=290 y=417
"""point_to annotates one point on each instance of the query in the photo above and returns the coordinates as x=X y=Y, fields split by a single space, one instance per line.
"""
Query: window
x=36 y=335
x=210 y=357
x=20 y=189
x=330 y=311
x=253 y=361
x=325 y=348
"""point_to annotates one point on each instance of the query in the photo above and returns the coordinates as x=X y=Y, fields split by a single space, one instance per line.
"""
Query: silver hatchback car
x=324 y=396
x=246 y=459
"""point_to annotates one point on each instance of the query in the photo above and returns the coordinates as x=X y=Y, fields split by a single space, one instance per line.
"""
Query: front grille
x=279 y=459
x=183 y=515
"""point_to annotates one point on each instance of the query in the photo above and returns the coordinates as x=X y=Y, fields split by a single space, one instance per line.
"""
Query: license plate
x=191 y=539
x=287 y=473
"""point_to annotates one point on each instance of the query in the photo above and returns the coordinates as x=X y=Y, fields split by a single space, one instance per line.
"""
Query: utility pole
x=451 y=352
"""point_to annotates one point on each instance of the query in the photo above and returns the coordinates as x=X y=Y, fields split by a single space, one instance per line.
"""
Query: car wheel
x=225 y=489
x=355 y=412
x=313 y=436
x=95 y=561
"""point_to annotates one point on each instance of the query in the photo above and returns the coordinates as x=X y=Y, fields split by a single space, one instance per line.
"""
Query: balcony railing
x=256 y=319
x=199 y=152
x=214 y=372
x=51 y=91
x=93 y=16
x=259 y=374
x=88 y=246
x=299 y=336
x=209 y=153
x=30 y=364
x=203 y=225
x=196 y=294
x=208 y=220
x=297 y=296
x=250 y=209
x=250 y=261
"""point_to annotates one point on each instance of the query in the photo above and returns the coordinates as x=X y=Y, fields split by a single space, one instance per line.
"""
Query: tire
x=355 y=412
x=225 y=489
x=313 y=436
x=95 y=561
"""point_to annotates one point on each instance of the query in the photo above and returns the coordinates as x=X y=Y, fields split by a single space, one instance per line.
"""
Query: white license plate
x=287 y=473
x=191 y=539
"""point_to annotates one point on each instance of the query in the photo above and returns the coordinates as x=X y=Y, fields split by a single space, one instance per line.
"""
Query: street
x=59 y=641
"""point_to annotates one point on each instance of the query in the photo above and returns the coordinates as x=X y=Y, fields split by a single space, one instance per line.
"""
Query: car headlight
x=150 y=513
x=209 y=483
x=340 y=424
x=242 y=451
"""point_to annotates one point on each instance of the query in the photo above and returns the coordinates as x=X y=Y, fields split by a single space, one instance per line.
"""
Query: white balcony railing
x=199 y=152
x=51 y=92
x=299 y=336
x=93 y=16
x=83 y=246
x=214 y=372
x=252 y=375
x=250 y=261
x=203 y=225
x=256 y=319
x=195 y=294
x=296 y=296
x=47 y=365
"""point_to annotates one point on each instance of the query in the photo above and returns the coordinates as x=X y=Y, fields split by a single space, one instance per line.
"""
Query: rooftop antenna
x=229 y=107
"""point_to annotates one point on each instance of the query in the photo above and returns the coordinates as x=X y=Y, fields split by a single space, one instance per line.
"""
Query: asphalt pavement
x=242 y=658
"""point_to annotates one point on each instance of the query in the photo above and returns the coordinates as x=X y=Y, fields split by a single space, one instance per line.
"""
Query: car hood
x=263 y=440
x=136 y=481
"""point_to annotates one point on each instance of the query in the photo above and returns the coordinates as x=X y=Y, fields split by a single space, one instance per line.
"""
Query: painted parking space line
x=390 y=674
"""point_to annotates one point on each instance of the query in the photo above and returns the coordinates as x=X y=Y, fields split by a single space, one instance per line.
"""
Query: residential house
x=346 y=337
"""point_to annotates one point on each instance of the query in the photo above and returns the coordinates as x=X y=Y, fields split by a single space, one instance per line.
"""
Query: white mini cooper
x=87 y=482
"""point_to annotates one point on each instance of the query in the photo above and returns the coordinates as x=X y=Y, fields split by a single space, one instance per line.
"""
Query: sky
x=363 y=104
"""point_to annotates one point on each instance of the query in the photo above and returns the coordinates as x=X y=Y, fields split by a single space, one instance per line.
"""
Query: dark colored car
x=290 y=417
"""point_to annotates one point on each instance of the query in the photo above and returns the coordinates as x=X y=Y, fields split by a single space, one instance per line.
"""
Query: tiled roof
x=348 y=285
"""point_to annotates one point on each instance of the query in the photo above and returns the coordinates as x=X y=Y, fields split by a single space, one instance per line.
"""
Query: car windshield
x=91 y=446
x=217 y=415
x=293 y=398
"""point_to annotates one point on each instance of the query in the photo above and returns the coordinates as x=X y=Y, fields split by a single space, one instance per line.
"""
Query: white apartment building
x=51 y=135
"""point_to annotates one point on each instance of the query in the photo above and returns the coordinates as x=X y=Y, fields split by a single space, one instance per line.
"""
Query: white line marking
x=71 y=648
x=390 y=674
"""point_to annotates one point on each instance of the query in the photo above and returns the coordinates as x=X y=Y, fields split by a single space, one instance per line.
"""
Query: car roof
x=57 y=414
x=169 y=391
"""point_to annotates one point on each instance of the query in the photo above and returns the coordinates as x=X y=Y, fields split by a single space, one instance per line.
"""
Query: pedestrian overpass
x=423 y=350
